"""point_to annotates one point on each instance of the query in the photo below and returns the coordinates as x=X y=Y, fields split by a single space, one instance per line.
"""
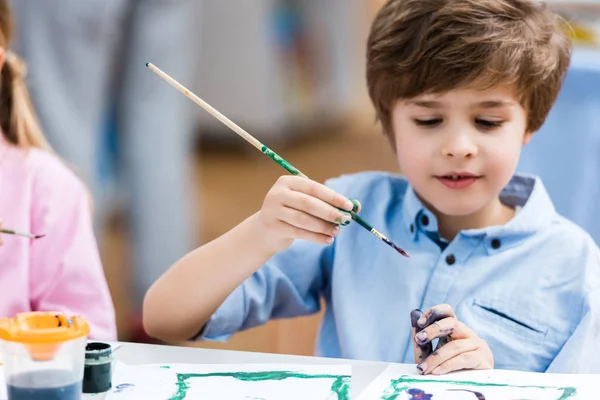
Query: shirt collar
x=523 y=190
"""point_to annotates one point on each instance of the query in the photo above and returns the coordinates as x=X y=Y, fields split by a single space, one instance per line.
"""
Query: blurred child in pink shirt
x=40 y=194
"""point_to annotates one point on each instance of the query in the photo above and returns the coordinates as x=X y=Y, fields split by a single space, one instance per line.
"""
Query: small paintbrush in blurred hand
x=28 y=235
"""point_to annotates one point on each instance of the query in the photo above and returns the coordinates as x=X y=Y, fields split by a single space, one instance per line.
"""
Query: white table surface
x=363 y=372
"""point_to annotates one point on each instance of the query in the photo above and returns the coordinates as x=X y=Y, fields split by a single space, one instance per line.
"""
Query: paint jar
x=97 y=374
x=43 y=355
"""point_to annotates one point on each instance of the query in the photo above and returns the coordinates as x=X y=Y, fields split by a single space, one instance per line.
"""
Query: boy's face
x=459 y=149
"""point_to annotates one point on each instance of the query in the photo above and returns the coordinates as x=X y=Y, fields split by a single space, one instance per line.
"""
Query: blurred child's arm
x=66 y=272
x=183 y=300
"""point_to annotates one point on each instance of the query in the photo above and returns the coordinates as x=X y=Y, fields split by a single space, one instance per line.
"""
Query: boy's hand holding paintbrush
x=299 y=208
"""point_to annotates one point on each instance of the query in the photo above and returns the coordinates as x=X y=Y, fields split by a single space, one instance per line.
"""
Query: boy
x=459 y=87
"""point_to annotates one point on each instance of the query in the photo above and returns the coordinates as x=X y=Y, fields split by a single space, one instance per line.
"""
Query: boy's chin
x=456 y=209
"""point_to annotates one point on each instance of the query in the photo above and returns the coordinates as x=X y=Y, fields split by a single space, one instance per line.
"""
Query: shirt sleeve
x=290 y=284
x=580 y=353
x=66 y=273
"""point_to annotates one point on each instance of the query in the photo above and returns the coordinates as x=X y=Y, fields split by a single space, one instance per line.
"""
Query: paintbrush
x=264 y=149
x=27 y=235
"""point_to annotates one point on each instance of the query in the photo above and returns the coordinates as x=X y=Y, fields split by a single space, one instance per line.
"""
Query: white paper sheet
x=231 y=382
x=395 y=384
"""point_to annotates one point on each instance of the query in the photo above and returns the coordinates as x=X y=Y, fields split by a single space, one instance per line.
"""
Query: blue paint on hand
x=426 y=349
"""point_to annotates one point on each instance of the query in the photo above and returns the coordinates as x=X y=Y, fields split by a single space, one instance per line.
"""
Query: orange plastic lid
x=42 y=333
x=42 y=327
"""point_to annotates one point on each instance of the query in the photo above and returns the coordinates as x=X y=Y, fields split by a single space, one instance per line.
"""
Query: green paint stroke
x=165 y=366
x=400 y=385
x=340 y=386
x=568 y=392
x=275 y=157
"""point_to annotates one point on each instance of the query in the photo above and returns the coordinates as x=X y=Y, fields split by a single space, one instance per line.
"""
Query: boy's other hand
x=421 y=351
x=299 y=208
x=458 y=348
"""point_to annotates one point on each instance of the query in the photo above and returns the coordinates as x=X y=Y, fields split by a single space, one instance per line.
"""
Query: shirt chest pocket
x=514 y=319
x=516 y=336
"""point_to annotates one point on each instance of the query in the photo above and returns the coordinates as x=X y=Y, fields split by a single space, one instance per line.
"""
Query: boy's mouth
x=458 y=180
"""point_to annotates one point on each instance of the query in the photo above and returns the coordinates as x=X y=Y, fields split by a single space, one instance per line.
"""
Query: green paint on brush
x=340 y=386
x=361 y=222
x=275 y=157
x=400 y=385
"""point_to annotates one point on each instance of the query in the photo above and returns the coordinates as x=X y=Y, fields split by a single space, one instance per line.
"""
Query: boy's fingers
x=450 y=351
x=439 y=329
x=308 y=222
x=434 y=314
x=299 y=233
x=421 y=352
x=314 y=206
x=446 y=330
x=319 y=191
x=467 y=360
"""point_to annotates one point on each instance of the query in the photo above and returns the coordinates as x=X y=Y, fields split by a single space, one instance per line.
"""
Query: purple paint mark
x=447 y=332
x=123 y=387
x=418 y=394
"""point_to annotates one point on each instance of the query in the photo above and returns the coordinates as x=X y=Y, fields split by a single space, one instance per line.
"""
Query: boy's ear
x=527 y=137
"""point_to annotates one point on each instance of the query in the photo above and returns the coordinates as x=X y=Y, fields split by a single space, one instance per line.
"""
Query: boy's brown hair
x=433 y=46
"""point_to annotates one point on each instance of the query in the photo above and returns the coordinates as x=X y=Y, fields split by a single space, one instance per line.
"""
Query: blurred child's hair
x=17 y=118
x=433 y=46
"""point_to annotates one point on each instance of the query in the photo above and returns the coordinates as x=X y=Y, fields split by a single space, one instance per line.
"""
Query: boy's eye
x=487 y=124
x=428 y=122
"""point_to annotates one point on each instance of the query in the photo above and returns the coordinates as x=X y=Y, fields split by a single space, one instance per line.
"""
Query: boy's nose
x=459 y=146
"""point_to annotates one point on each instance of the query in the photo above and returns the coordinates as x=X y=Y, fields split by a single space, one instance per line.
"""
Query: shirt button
x=425 y=220
x=450 y=259
x=412 y=228
x=496 y=243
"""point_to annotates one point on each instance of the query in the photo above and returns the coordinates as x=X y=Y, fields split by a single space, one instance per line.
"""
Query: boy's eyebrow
x=483 y=104
x=426 y=103
x=495 y=103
